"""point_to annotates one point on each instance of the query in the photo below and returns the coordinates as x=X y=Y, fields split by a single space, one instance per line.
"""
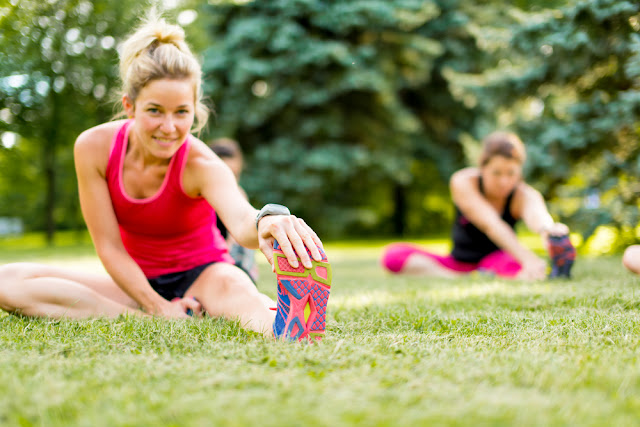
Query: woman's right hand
x=557 y=229
x=177 y=309
x=534 y=268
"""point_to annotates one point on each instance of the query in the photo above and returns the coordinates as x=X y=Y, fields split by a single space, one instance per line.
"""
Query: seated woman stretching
x=631 y=259
x=149 y=193
x=489 y=200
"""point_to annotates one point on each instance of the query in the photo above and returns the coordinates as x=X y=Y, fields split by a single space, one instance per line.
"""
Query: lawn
x=398 y=351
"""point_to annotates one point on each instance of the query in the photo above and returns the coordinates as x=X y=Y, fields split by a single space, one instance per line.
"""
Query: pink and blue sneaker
x=562 y=254
x=302 y=298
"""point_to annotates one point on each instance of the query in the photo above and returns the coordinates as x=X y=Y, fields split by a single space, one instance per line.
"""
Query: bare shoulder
x=523 y=196
x=465 y=179
x=201 y=156
x=94 y=144
x=524 y=191
x=202 y=168
x=99 y=135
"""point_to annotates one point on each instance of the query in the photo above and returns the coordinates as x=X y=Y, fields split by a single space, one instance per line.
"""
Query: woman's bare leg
x=418 y=264
x=631 y=258
x=225 y=290
x=45 y=291
x=406 y=258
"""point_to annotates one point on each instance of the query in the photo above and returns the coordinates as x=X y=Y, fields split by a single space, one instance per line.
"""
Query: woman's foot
x=302 y=298
x=562 y=254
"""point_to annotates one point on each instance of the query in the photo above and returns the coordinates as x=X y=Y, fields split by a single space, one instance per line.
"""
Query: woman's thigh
x=500 y=263
x=103 y=284
x=224 y=289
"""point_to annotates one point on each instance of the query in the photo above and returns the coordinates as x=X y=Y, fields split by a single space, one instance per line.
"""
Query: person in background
x=489 y=200
x=230 y=152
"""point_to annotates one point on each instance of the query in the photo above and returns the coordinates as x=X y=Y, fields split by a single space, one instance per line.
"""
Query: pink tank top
x=170 y=231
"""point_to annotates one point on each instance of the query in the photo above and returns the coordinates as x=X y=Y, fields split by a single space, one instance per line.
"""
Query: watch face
x=273 y=209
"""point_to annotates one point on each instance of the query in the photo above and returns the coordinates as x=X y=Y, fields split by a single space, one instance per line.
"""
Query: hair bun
x=165 y=33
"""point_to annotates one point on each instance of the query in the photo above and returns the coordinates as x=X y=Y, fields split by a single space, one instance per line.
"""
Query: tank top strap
x=507 y=205
x=506 y=215
x=116 y=153
x=178 y=165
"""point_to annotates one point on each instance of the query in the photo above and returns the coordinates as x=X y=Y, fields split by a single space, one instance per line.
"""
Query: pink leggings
x=499 y=262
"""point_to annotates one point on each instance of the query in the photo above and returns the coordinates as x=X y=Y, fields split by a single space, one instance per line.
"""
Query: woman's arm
x=206 y=175
x=535 y=215
x=90 y=153
x=475 y=207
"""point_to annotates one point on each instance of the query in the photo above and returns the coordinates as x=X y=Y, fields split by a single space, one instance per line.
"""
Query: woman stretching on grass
x=149 y=193
x=489 y=200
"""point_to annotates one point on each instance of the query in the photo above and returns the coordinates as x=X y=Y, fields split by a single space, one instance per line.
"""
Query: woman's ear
x=128 y=106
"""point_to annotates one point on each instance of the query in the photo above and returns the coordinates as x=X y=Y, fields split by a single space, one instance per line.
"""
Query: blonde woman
x=489 y=201
x=149 y=193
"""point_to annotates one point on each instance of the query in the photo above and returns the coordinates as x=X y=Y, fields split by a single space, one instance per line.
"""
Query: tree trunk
x=400 y=212
x=49 y=166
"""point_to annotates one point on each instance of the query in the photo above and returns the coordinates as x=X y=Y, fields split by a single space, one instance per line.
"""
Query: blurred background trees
x=343 y=106
x=57 y=77
x=353 y=113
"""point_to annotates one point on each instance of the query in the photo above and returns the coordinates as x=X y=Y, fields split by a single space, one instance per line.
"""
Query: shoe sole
x=304 y=292
x=563 y=256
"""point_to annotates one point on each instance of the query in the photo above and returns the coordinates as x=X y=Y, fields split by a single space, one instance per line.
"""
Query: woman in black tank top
x=489 y=200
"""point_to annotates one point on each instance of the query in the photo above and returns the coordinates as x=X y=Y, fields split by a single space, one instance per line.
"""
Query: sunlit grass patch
x=399 y=351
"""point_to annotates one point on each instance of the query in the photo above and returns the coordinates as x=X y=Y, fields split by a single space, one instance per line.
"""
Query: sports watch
x=271 y=209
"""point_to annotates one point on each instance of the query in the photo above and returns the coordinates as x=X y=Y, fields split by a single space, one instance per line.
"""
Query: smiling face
x=500 y=176
x=164 y=112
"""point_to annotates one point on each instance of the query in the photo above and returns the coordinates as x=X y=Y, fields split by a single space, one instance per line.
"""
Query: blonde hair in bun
x=157 y=50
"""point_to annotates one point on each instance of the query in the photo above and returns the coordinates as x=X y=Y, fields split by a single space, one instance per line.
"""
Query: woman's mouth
x=163 y=142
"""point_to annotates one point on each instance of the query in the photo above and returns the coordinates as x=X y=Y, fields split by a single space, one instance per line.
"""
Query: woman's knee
x=11 y=276
x=17 y=271
x=631 y=258
x=228 y=280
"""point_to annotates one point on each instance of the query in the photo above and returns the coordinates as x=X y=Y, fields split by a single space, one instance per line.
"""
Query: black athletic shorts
x=175 y=285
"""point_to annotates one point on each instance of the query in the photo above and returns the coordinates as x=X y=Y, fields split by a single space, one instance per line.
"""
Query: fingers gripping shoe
x=302 y=298
x=562 y=254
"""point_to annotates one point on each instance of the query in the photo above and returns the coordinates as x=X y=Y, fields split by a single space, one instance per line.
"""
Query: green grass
x=398 y=351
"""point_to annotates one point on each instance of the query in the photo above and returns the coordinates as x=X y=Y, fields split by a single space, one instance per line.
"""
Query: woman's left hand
x=556 y=229
x=294 y=237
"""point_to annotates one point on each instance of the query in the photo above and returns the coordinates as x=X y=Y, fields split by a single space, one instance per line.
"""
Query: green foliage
x=353 y=113
x=58 y=77
x=338 y=102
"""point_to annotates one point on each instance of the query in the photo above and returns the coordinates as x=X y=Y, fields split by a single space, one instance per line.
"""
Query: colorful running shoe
x=302 y=298
x=562 y=254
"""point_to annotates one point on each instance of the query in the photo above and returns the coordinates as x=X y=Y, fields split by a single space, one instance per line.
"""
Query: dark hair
x=505 y=144
x=226 y=148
